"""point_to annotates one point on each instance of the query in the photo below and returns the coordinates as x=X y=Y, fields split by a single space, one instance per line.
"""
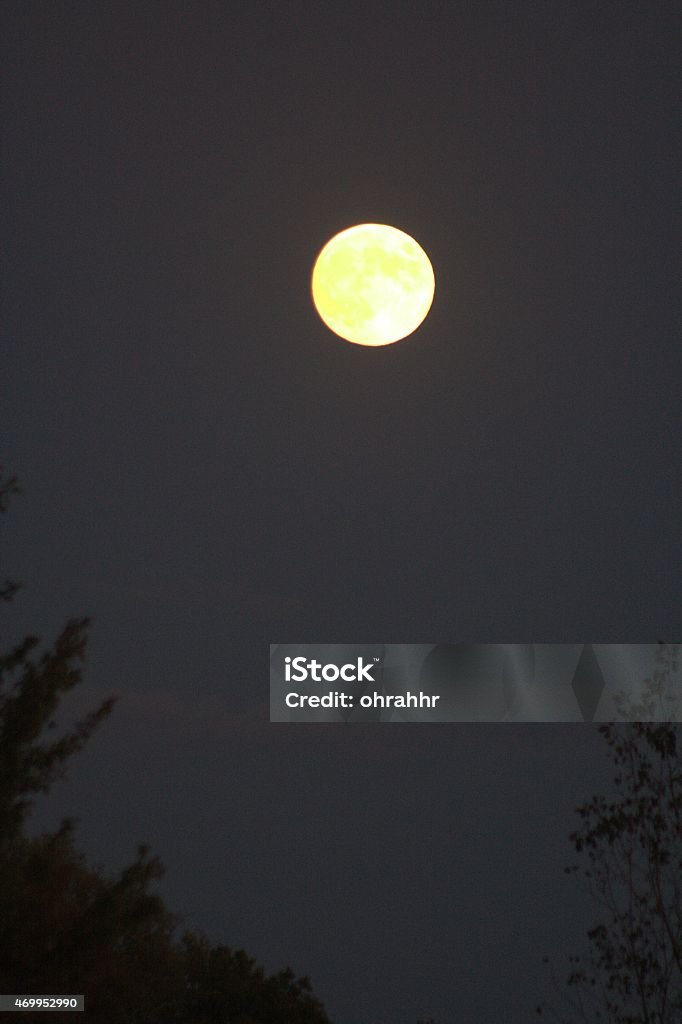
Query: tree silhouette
x=67 y=928
x=631 y=850
x=30 y=692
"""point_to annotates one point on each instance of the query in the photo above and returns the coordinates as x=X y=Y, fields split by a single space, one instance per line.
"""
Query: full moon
x=372 y=284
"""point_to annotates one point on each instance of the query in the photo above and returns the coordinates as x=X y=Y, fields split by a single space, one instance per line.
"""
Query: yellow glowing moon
x=373 y=284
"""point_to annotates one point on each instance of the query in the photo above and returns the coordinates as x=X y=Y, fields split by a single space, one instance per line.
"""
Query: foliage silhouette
x=66 y=927
x=631 y=850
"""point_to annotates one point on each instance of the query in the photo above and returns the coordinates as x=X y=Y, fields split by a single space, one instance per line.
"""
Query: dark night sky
x=206 y=469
